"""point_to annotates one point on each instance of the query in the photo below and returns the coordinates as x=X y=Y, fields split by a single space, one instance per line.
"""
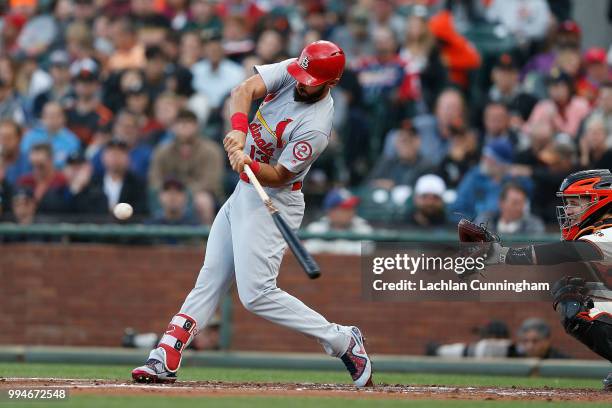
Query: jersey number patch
x=302 y=151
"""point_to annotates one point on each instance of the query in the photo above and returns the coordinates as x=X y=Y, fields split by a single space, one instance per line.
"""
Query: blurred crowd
x=447 y=108
x=532 y=339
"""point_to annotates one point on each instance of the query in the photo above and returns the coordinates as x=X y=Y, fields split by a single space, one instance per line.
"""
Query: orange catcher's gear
x=319 y=62
x=587 y=197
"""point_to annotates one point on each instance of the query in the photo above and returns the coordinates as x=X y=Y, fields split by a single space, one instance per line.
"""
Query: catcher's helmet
x=320 y=62
x=586 y=195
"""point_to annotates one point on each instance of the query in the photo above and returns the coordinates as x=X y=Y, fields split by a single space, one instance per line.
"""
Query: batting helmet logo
x=304 y=62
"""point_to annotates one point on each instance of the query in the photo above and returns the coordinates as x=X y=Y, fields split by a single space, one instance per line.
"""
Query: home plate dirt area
x=382 y=391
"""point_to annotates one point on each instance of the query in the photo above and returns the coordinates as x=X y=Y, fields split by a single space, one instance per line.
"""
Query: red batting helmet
x=319 y=62
x=587 y=196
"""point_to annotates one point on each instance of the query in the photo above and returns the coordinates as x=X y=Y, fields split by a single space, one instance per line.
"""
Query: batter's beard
x=309 y=99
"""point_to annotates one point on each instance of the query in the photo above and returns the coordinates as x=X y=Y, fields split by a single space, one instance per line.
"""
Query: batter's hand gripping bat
x=306 y=260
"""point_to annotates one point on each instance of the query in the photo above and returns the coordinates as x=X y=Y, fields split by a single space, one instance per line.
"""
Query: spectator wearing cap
x=54 y=132
x=534 y=340
x=596 y=73
x=61 y=89
x=406 y=163
x=429 y=210
x=506 y=88
x=568 y=34
x=78 y=173
x=87 y=112
x=126 y=128
x=129 y=52
x=563 y=109
x=514 y=214
x=117 y=183
x=195 y=161
x=341 y=216
x=528 y=21
x=478 y=192
x=13 y=163
x=215 y=76
x=173 y=198
x=48 y=185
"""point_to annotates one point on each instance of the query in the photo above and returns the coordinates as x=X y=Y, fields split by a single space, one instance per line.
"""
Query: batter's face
x=309 y=94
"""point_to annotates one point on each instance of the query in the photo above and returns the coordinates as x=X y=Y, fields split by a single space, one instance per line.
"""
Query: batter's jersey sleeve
x=275 y=76
x=602 y=240
x=302 y=151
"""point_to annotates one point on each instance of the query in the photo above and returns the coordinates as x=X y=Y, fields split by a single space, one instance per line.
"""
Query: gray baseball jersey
x=284 y=131
x=244 y=244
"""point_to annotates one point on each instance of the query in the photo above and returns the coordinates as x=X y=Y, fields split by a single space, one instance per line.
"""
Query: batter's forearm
x=244 y=94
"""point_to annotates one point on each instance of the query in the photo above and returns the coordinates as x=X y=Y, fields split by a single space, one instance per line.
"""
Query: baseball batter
x=289 y=131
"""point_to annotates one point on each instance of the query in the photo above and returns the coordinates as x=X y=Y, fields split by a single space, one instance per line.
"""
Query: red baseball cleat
x=357 y=361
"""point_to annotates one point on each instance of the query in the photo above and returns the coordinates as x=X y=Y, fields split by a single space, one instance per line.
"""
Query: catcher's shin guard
x=180 y=331
x=591 y=327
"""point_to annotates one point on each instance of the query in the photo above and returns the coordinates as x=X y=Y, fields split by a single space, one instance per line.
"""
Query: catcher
x=585 y=219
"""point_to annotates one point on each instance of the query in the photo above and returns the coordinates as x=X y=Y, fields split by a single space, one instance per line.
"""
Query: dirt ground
x=382 y=391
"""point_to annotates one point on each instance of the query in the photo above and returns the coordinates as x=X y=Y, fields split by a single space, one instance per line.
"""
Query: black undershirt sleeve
x=554 y=254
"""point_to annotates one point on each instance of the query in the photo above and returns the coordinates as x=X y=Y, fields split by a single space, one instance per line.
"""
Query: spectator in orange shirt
x=87 y=113
x=458 y=53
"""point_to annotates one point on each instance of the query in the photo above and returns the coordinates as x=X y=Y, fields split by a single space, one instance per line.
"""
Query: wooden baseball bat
x=306 y=260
